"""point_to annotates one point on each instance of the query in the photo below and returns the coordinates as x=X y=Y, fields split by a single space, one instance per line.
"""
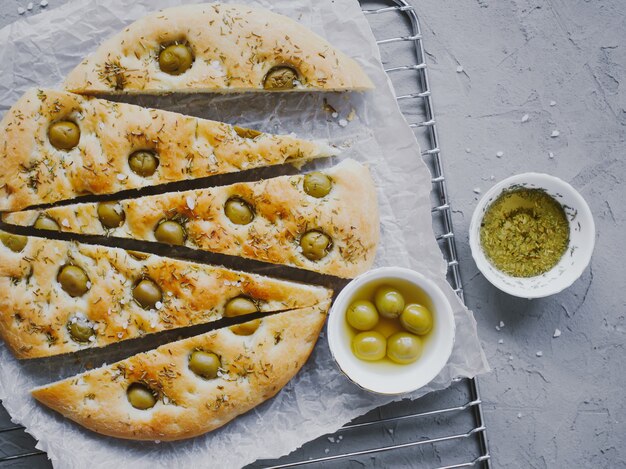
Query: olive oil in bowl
x=378 y=373
x=386 y=326
x=524 y=232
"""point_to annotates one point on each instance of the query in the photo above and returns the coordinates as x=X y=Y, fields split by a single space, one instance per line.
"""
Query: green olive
x=205 y=364
x=73 y=280
x=404 y=348
x=143 y=162
x=111 y=214
x=369 y=346
x=140 y=396
x=170 y=232
x=238 y=211
x=417 y=319
x=317 y=184
x=46 y=223
x=238 y=307
x=80 y=329
x=389 y=302
x=315 y=245
x=244 y=132
x=14 y=242
x=64 y=135
x=176 y=59
x=280 y=78
x=362 y=315
x=147 y=293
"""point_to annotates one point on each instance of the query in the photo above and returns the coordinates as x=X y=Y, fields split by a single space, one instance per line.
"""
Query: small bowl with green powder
x=532 y=235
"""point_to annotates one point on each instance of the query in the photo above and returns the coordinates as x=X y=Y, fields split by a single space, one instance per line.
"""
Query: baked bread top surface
x=37 y=312
x=253 y=369
x=283 y=213
x=36 y=172
x=232 y=49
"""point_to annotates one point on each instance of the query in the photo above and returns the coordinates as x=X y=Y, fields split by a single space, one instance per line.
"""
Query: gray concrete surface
x=562 y=63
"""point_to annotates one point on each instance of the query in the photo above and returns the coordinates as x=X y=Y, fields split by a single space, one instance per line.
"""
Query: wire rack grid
x=444 y=430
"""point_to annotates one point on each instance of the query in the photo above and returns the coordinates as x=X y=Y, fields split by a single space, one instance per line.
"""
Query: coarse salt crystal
x=492 y=178
x=335 y=115
x=169 y=293
x=331 y=439
x=501 y=341
x=342 y=122
x=551 y=155
x=539 y=353
x=88 y=284
x=525 y=118
x=121 y=177
x=467 y=150
x=65 y=222
x=557 y=333
x=43 y=3
x=29 y=6
x=552 y=103
x=191 y=203
x=500 y=154
x=477 y=190
x=326 y=450
x=120 y=335
x=555 y=133
x=519 y=415
x=20 y=11
x=501 y=323
x=92 y=338
x=158 y=305
x=510 y=357
x=459 y=69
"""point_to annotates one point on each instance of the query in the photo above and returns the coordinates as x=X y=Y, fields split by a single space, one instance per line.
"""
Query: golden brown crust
x=283 y=213
x=234 y=48
x=35 y=310
x=34 y=172
x=254 y=368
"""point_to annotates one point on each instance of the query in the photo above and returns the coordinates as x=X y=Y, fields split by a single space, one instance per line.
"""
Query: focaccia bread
x=59 y=296
x=58 y=145
x=215 y=48
x=275 y=220
x=159 y=395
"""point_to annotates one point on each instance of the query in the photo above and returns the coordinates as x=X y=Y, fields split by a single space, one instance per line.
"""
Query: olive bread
x=58 y=145
x=190 y=387
x=62 y=296
x=330 y=225
x=215 y=48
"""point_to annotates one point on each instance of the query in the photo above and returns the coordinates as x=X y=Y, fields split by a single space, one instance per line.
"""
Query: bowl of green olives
x=391 y=330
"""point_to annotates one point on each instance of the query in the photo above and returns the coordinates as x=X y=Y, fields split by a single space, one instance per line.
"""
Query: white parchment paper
x=41 y=50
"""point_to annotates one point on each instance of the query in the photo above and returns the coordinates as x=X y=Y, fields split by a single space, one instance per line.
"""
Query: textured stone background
x=563 y=63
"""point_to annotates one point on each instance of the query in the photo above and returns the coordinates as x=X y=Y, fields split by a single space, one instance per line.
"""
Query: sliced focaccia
x=190 y=387
x=59 y=297
x=215 y=48
x=58 y=145
x=326 y=222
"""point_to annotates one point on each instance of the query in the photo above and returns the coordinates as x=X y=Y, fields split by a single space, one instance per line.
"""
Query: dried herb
x=525 y=232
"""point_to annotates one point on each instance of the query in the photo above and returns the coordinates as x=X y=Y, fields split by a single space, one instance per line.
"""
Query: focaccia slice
x=275 y=220
x=58 y=145
x=215 y=48
x=59 y=296
x=158 y=395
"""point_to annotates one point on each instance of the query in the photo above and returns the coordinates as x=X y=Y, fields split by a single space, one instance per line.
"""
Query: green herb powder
x=525 y=232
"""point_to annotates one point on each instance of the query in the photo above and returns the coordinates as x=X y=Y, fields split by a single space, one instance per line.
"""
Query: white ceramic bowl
x=582 y=237
x=384 y=377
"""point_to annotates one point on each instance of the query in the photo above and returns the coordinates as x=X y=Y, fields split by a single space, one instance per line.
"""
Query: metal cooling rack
x=445 y=429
